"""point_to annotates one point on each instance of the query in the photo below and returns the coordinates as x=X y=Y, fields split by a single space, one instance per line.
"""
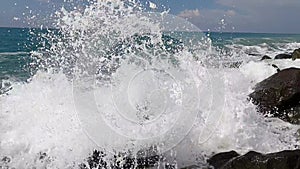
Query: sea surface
x=17 y=44
x=123 y=84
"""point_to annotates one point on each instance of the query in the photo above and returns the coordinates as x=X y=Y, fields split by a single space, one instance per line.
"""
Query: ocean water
x=118 y=84
x=14 y=53
x=19 y=43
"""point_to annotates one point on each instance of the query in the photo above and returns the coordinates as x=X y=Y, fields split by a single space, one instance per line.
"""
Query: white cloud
x=213 y=19
x=189 y=13
x=249 y=16
x=230 y=13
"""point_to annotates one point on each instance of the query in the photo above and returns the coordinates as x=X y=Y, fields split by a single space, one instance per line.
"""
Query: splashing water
x=118 y=79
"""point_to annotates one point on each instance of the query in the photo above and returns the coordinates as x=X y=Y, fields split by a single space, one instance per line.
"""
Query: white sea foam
x=13 y=53
x=201 y=108
x=259 y=50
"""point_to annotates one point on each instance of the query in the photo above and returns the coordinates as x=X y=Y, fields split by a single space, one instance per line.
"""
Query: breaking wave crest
x=115 y=78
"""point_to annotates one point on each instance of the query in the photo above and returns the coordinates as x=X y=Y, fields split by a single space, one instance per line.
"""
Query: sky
x=265 y=16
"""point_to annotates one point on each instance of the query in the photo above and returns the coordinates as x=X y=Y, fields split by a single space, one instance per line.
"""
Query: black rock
x=253 y=160
x=265 y=57
x=254 y=54
x=283 y=56
x=296 y=54
x=280 y=160
x=279 y=95
x=145 y=158
x=221 y=159
x=276 y=67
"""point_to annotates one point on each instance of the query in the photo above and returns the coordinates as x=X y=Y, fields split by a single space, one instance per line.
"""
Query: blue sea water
x=252 y=39
x=18 y=43
x=15 y=50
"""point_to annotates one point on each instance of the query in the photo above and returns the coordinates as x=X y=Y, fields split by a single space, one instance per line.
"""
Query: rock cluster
x=255 y=160
x=279 y=95
x=295 y=55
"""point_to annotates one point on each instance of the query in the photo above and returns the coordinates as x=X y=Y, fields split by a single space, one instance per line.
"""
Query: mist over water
x=117 y=79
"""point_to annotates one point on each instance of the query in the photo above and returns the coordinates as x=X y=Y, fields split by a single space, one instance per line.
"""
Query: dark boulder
x=221 y=159
x=145 y=158
x=296 y=54
x=253 y=160
x=254 y=54
x=279 y=95
x=265 y=57
x=283 y=56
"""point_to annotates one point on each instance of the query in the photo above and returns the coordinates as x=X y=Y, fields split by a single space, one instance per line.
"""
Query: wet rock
x=170 y=166
x=146 y=158
x=195 y=167
x=4 y=162
x=276 y=67
x=99 y=159
x=279 y=95
x=5 y=87
x=221 y=159
x=254 y=54
x=265 y=57
x=254 y=160
x=296 y=54
x=283 y=56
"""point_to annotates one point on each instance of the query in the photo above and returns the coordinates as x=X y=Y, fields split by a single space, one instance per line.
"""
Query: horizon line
x=244 y=32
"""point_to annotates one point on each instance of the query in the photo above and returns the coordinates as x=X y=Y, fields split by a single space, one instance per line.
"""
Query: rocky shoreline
x=277 y=96
x=295 y=55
